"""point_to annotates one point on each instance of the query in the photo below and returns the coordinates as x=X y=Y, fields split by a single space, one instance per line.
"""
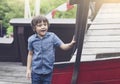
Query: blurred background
x=29 y=8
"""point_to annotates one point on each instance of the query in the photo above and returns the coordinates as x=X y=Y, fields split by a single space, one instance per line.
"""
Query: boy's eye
x=41 y=25
x=45 y=24
x=38 y=25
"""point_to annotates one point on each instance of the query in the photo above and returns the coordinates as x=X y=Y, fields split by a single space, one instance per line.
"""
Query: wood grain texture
x=13 y=73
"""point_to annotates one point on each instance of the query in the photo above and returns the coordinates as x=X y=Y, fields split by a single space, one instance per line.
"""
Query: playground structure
x=101 y=64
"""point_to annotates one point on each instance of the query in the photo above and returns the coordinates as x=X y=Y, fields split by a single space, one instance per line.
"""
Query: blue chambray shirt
x=43 y=52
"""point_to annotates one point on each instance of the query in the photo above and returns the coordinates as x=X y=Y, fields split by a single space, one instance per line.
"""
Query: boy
x=41 y=51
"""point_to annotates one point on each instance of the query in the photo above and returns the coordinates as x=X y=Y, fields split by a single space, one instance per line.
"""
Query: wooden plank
x=102 y=44
x=105 y=26
x=14 y=79
x=108 y=16
x=103 y=35
x=109 y=10
x=84 y=58
x=110 y=5
x=2 y=82
x=92 y=51
x=112 y=32
x=94 y=58
x=102 y=38
x=88 y=57
x=13 y=73
x=107 y=55
x=100 y=18
x=6 y=40
x=107 y=21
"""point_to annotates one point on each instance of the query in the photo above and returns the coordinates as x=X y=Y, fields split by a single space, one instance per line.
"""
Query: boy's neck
x=41 y=37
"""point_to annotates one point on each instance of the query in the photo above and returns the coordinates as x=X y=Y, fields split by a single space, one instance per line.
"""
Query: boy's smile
x=42 y=28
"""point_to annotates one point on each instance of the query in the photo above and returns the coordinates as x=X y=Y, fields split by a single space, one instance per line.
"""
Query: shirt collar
x=46 y=35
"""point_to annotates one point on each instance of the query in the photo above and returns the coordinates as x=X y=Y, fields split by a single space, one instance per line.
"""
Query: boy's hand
x=73 y=41
x=68 y=46
x=28 y=74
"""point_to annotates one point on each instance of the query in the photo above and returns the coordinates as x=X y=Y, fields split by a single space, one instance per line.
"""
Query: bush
x=10 y=31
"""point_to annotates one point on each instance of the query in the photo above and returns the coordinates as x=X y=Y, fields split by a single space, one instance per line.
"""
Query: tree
x=9 y=9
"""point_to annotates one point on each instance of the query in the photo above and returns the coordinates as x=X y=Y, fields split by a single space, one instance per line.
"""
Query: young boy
x=41 y=51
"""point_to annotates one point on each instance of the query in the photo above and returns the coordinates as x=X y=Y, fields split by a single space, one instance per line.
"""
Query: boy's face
x=41 y=28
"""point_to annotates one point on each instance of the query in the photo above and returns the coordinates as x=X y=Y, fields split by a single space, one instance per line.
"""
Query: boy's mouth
x=43 y=30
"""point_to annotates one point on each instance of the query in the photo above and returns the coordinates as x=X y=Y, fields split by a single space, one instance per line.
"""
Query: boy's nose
x=42 y=26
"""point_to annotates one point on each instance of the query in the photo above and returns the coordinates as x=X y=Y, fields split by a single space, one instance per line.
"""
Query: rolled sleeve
x=30 y=47
x=57 y=40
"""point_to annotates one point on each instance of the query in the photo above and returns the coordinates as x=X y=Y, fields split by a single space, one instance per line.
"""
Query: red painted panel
x=62 y=75
x=100 y=72
x=95 y=72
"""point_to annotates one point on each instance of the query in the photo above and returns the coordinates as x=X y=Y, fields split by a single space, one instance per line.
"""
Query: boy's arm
x=67 y=46
x=29 y=62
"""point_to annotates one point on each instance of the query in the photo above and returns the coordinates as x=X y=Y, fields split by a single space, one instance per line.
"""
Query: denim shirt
x=43 y=52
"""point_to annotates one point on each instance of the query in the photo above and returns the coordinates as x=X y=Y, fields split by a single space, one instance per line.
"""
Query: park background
x=16 y=9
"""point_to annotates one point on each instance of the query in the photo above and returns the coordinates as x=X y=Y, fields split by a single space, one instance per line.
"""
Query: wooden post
x=81 y=25
x=21 y=42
